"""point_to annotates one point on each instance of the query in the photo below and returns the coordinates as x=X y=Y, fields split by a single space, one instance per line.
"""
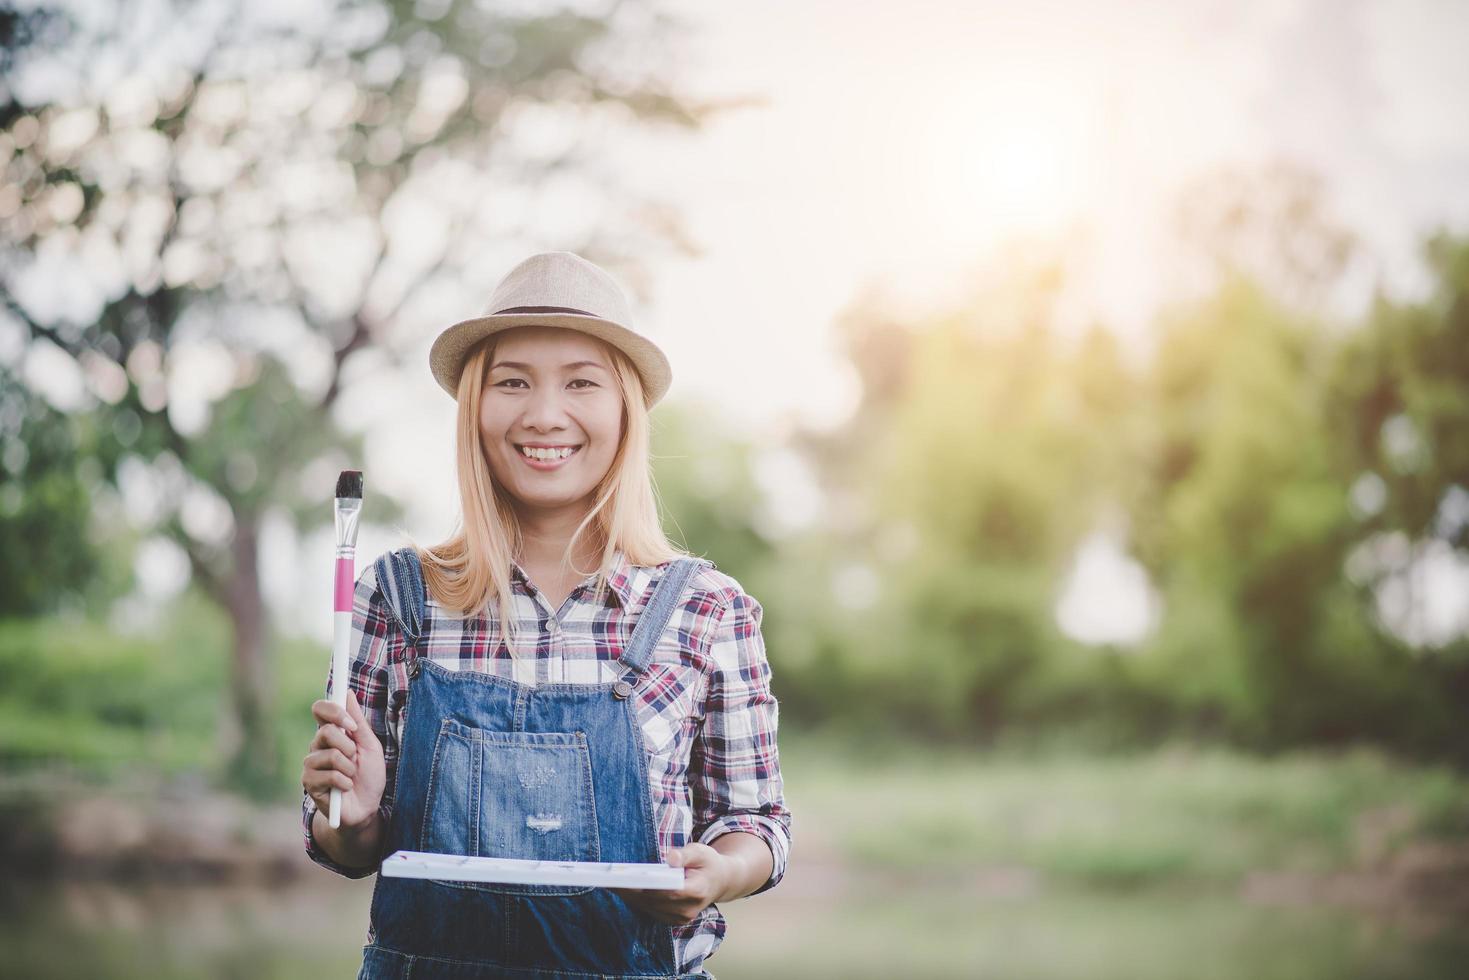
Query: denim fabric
x=491 y=767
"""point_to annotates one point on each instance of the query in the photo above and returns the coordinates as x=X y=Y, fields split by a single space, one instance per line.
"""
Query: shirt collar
x=621 y=580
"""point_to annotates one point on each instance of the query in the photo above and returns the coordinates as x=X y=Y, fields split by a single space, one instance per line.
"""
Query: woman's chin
x=532 y=500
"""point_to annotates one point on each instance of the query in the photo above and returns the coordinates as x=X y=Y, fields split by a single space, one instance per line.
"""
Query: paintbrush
x=348 y=509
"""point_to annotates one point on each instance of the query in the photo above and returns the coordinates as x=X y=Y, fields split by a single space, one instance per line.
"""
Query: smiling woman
x=618 y=712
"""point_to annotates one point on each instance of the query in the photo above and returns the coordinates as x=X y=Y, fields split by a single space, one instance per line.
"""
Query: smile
x=546 y=458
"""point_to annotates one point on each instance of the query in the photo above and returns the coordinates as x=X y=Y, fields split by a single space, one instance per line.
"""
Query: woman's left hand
x=706 y=878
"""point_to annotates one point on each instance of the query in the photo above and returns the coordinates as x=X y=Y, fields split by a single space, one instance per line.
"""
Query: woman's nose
x=545 y=409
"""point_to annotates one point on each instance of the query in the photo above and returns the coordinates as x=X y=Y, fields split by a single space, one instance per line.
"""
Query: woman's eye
x=579 y=381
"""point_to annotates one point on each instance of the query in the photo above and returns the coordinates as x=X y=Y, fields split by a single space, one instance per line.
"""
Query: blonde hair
x=472 y=568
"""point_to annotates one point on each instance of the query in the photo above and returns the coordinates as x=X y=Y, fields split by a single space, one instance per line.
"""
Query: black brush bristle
x=349 y=484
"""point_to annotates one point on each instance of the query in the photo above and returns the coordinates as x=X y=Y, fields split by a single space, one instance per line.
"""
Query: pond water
x=821 y=921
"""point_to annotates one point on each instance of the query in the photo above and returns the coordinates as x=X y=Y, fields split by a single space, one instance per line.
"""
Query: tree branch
x=209 y=579
x=36 y=327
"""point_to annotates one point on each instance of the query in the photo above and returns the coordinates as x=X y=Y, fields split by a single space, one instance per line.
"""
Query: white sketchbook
x=514 y=871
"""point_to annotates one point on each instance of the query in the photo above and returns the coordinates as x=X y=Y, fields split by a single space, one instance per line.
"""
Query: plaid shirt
x=708 y=716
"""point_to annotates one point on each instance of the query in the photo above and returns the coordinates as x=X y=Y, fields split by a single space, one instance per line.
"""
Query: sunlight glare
x=1010 y=156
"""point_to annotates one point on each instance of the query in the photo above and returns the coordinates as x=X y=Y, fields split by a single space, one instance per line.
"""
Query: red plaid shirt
x=707 y=714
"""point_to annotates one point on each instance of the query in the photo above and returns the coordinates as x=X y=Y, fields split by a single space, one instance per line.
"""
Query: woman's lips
x=546 y=464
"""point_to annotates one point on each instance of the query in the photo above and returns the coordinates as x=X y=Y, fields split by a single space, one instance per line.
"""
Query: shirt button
x=621 y=690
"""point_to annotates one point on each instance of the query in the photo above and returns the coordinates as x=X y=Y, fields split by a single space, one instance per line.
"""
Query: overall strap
x=655 y=615
x=400 y=578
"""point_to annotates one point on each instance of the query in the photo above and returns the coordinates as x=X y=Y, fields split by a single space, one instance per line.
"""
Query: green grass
x=934 y=929
x=1116 y=819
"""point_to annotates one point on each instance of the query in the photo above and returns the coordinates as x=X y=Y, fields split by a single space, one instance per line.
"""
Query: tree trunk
x=248 y=737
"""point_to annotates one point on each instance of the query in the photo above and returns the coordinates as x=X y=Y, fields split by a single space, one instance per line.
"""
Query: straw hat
x=554 y=289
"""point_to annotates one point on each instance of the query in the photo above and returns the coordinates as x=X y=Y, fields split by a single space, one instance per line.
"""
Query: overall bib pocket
x=524 y=795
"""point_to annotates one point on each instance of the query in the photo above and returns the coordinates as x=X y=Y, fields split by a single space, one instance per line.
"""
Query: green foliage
x=1241 y=520
x=993 y=449
x=706 y=489
x=46 y=553
x=981 y=451
x=1399 y=398
x=84 y=696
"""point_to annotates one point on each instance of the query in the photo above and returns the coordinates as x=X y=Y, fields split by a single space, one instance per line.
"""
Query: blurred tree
x=250 y=205
x=1401 y=390
x=1280 y=448
x=1242 y=510
x=1399 y=401
x=976 y=461
x=1269 y=224
x=709 y=499
x=1240 y=517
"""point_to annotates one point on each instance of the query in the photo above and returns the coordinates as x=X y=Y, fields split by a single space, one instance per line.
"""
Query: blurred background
x=1082 y=389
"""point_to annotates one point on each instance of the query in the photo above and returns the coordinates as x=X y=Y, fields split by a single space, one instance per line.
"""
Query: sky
x=900 y=150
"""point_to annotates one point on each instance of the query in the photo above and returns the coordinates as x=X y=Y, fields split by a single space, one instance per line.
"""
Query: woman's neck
x=545 y=538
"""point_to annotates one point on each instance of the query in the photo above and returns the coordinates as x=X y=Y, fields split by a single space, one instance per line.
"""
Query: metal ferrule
x=348 y=511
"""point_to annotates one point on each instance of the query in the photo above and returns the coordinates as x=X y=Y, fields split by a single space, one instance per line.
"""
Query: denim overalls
x=555 y=772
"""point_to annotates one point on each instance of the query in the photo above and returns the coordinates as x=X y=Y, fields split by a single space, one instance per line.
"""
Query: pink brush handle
x=342 y=600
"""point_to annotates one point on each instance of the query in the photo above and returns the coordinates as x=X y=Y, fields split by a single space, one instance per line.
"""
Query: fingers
x=349 y=718
x=328 y=779
x=328 y=712
x=325 y=770
x=344 y=754
x=354 y=710
x=330 y=736
x=332 y=759
x=691 y=855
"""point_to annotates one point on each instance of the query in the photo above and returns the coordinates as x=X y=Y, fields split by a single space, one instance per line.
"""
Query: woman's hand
x=345 y=755
x=706 y=879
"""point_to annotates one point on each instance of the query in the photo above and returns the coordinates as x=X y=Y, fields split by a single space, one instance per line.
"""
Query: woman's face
x=550 y=387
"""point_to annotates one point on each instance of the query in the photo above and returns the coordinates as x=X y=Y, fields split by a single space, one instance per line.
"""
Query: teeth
x=547 y=454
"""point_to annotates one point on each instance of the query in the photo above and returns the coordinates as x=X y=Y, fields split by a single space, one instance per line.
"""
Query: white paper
x=458 y=867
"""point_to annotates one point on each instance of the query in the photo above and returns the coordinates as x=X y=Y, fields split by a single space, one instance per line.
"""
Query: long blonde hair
x=472 y=568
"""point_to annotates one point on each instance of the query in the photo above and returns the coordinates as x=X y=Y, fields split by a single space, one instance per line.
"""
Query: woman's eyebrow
x=528 y=369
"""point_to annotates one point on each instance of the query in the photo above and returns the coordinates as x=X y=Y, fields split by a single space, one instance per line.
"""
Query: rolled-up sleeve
x=368 y=675
x=734 y=770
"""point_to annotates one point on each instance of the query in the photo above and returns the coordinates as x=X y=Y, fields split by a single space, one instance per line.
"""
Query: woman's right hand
x=345 y=755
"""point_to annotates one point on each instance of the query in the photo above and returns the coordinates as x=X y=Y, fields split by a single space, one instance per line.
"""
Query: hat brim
x=450 y=349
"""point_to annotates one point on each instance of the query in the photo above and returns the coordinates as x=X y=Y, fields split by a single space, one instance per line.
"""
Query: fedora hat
x=554 y=289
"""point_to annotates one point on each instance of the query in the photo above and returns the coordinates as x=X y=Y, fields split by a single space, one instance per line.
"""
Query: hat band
x=544 y=309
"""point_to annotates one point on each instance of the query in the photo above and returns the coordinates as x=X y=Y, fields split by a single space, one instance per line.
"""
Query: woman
x=555 y=681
